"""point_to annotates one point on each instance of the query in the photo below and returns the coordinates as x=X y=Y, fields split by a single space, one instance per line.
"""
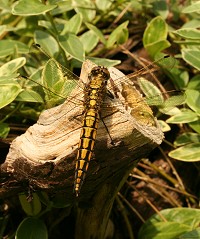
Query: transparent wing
x=146 y=82
x=60 y=84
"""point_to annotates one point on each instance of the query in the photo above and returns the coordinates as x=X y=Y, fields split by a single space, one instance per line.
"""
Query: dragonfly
x=99 y=93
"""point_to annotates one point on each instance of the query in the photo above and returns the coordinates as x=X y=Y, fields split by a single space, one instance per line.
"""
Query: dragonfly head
x=100 y=71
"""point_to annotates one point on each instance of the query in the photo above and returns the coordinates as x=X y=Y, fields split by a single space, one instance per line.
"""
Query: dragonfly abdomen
x=94 y=94
x=85 y=148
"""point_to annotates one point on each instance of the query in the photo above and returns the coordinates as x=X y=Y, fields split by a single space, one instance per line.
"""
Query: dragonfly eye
x=100 y=70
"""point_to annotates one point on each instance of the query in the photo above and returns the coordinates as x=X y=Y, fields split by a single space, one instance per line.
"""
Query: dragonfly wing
x=145 y=81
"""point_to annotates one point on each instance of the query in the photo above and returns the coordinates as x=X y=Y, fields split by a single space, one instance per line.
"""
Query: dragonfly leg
x=111 y=140
x=76 y=117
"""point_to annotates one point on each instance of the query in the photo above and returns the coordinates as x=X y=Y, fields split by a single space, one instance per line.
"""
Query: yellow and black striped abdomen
x=85 y=148
x=93 y=98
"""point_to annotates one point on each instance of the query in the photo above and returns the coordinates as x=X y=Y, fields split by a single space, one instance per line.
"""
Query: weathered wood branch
x=44 y=159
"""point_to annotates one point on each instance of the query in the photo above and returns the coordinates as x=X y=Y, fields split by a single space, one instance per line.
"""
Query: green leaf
x=73 y=25
x=47 y=42
x=185 y=116
x=188 y=33
x=194 y=234
x=194 y=83
x=57 y=87
x=12 y=66
x=187 y=153
x=193 y=23
x=63 y=7
x=156 y=47
x=29 y=8
x=97 y=32
x=8 y=47
x=117 y=35
x=164 y=126
x=194 y=7
x=154 y=97
x=156 y=25
x=45 y=24
x=178 y=221
x=155 y=36
x=195 y=126
x=193 y=100
x=103 y=5
x=32 y=89
x=4 y=130
x=31 y=228
x=192 y=57
x=30 y=95
x=103 y=61
x=31 y=208
x=153 y=94
x=72 y=46
x=172 y=102
x=89 y=40
x=160 y=7
x=86 y=8
x=9 y=91
x=179 y=76
x=187 y=138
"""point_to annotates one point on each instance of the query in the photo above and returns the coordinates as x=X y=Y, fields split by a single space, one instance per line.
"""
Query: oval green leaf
x=8 y=47
x=192 y=57
x=31 y=228
x=31 y=208
x=183 y=117
x=103 y=5
x=9 y=92
x=194 y=83
x=56 y=87
x=187 y=138
x=31 y=8
x=47 y=42
x=86 y=8
x=156 y=30
x=104 y=61
x=89 y=40
x=195 y=126
x=193 y=100
x=194 y=7
x=12 y=66
x=188 y=33
x=155 y=36
x=164 y=126
x=152 y=93
x=117 y=34
x=71 y=44
x=160 y=7
x=96 y=31
x=187 y=153
x=73 y=25
x=178 y=221
x=29 y=95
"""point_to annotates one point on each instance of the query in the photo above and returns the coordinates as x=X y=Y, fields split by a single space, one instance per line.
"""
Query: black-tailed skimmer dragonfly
x=99 y=92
